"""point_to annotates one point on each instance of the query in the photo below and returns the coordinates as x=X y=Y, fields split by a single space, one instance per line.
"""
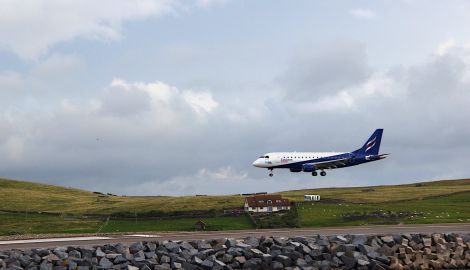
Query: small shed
x=200 y=225
x=314 y=198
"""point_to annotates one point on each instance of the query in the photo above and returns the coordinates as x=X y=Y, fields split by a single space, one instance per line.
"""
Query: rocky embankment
x=415 y=251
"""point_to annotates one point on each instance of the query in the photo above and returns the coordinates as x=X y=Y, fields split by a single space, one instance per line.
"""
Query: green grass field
x=433 y=202
x=179 y=224
x=20 y=224
x=441 y=209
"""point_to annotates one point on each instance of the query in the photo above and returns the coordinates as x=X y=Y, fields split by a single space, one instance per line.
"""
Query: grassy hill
x=379 y=194
x=23 y=205
x=28 y=196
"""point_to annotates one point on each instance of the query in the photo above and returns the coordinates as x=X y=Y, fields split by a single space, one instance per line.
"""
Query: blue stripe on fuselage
x=298 y=165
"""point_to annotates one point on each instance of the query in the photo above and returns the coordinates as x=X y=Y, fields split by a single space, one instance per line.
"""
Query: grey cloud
x=171 y=148
x=121 y=102
x=325 y=70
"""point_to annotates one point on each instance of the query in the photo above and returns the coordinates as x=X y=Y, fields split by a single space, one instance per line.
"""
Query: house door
x=270 y=208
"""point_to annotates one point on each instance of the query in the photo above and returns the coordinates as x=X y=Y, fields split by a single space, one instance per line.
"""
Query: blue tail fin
x=372 y=145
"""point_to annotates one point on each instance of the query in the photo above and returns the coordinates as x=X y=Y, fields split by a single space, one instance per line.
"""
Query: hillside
x=30 y=208
x=28 y=196
x=385 y=193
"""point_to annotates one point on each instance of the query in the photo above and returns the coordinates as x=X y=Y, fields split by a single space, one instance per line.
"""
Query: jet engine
x=308 y=167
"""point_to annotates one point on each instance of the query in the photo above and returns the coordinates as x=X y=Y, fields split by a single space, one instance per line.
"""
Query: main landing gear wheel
x=323 y=173
x=271 y=174
x=314 y=173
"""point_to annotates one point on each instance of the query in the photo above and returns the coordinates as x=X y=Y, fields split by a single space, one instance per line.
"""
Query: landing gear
x=314 y=173
x=271 y=173
x=323 y=173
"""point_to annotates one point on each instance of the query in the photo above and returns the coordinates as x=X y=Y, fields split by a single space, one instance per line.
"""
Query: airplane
x=320 y=161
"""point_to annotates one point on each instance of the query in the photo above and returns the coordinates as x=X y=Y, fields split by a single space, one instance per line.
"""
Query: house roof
x=266 y=200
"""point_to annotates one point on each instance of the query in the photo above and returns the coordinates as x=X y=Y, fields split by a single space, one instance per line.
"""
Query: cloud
x=31 y=29
x=326 y=70
x=57 y=65
x=152 y=137
x=209 y=3
x=363 y=13
x=10 y=81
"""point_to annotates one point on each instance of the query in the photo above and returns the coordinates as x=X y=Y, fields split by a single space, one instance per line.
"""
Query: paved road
x=90 y=241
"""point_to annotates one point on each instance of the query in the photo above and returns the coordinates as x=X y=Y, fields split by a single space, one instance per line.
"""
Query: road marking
x=48 y=240
x=144 y=235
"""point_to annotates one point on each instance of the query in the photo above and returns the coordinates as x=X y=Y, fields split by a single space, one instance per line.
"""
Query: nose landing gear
x=271 y=173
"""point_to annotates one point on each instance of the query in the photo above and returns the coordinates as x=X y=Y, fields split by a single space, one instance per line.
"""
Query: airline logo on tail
x=371 y=144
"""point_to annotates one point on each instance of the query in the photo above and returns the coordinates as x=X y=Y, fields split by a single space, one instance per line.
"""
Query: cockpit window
x=266 y=157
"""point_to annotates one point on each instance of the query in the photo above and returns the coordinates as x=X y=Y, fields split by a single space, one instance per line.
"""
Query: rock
x=230 y=242
x=257 y=252
x=203 y=245
x=112 y=256
x=219 y=263
x=243 y=245
x=388 y=240
x=240 y=259
x=165 y=259
x=136 y=247
x=151 y=246
x=300 y=262
x=435 y=264
x=172 y=247
x=51 y=258
x=206 y=264
x=252 y=241
x=176 y=265
x=277 y=265
x=45 y=265
x=162 y=267
x=359 y=239
x=99 y=253
x=119 y=259
x=186 y=246
x=281 y=241
x=286 y=261
x=75 y=254
x=105 y=263
x=252 y=263
x=267 y=242
x=349 y=263
x=362 y=262
x=341 y=238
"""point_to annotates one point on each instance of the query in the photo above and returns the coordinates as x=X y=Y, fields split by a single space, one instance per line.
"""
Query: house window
x=270 y=202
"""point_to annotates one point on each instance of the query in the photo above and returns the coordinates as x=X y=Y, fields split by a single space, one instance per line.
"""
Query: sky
x=161 y=97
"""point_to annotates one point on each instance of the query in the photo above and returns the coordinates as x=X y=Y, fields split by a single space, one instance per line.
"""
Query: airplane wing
x=330 y=164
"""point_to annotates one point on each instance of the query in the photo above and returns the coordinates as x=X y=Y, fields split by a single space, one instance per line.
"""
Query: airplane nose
x=256 y=163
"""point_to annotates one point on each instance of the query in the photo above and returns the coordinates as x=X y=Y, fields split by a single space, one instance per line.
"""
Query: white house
x=266 y=203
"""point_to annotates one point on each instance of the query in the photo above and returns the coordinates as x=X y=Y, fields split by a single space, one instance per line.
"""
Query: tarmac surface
x=131 y=238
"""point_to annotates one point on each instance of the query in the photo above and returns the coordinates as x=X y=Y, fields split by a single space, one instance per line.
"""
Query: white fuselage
x=276 y=159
